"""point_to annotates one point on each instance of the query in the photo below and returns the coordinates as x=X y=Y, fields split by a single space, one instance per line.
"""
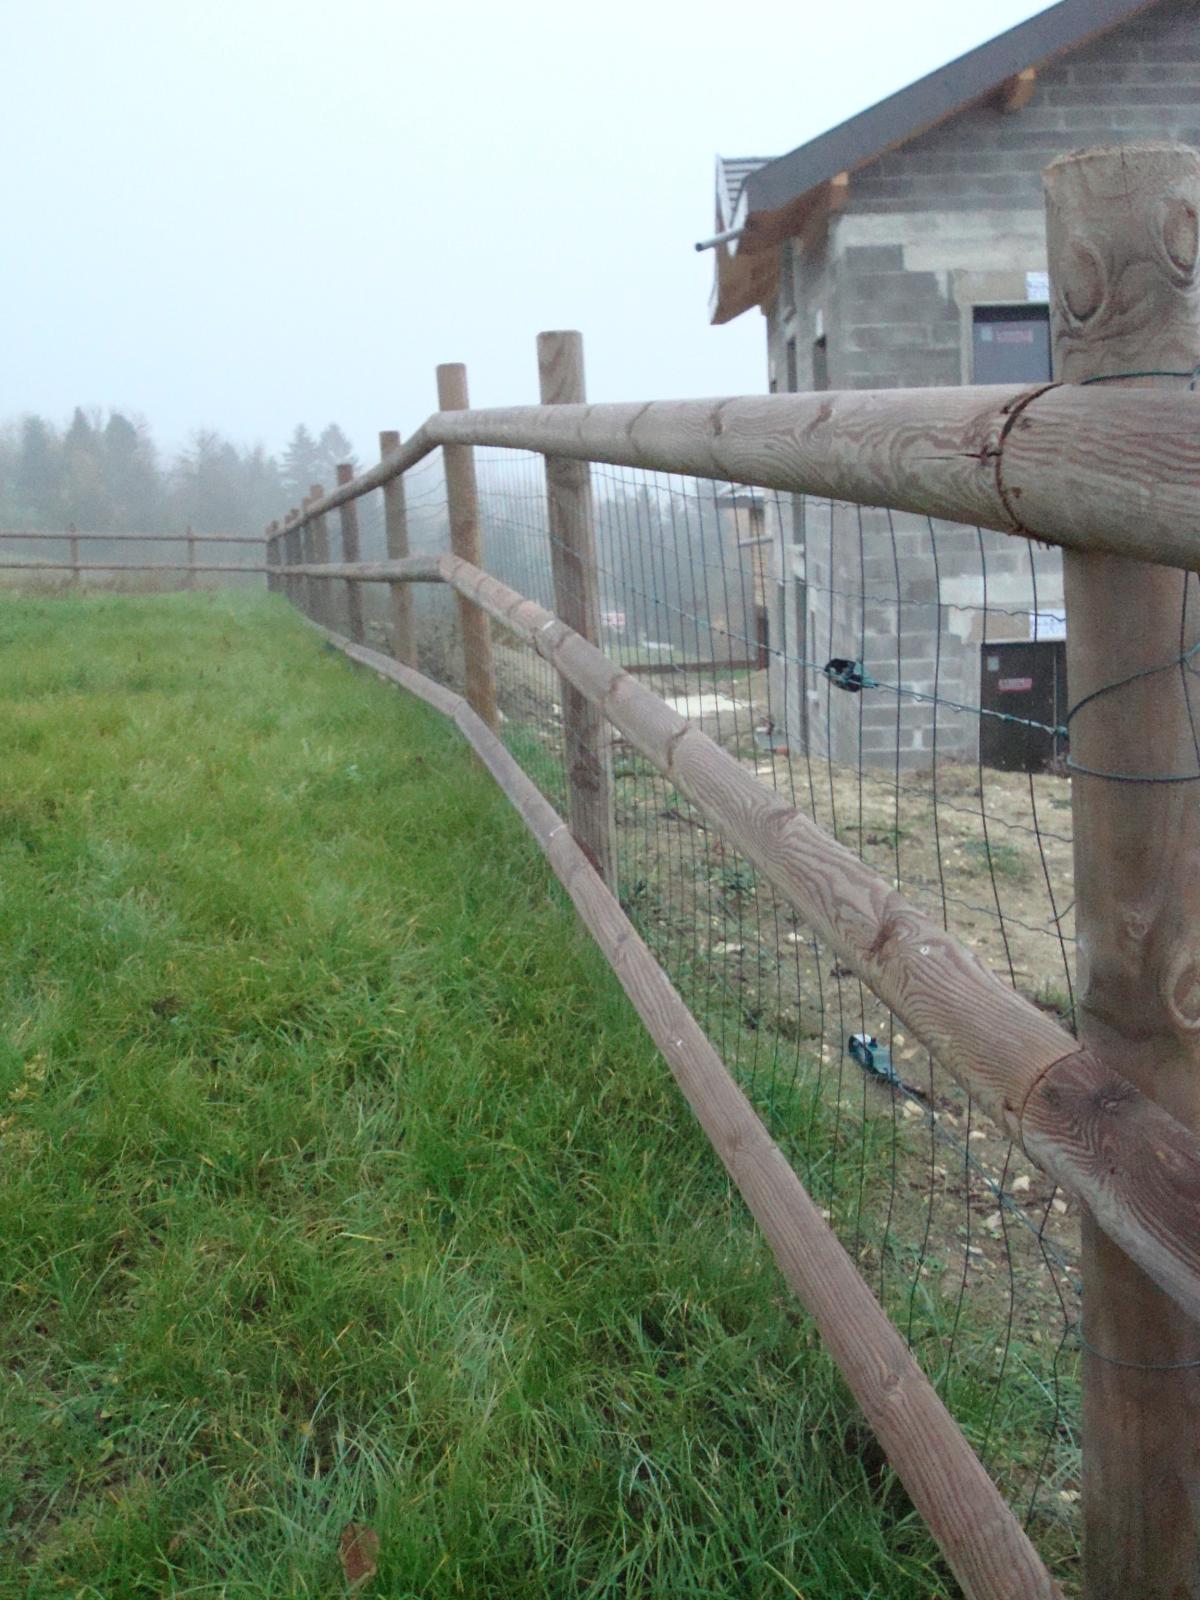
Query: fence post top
x=560 y=368
x=1158 y=150
x=452 y=386
x=345 y=472
x=389 y=441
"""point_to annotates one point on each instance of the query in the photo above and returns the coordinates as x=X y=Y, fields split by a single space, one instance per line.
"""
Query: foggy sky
x=251 y=214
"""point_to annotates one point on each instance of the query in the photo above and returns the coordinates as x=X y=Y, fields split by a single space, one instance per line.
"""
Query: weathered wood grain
x=466 y=541
x=983 y=1544
x=1003 y=1050
x=1105 y=469
x=1096 y=469
x=588 y=759
x=1122 y=234
x=395 y=521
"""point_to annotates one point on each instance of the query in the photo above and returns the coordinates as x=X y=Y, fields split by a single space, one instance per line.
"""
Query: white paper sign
x=1037 y=286
x=1048 y=625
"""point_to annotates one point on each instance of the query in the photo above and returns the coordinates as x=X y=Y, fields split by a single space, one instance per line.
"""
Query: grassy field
x=339 y=1183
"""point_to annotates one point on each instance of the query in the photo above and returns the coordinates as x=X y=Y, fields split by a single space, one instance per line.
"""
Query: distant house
x=906 y=247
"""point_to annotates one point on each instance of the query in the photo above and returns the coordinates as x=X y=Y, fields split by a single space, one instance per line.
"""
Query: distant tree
x=34 y=481
x=262 y=490
x=301 y=466
x=205 y=479
x=86 y=501
x=132 y=481
x=333 y=448
x=217 y=488
x=104 y=476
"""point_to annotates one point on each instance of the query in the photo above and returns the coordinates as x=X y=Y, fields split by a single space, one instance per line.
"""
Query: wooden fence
x=75 y=565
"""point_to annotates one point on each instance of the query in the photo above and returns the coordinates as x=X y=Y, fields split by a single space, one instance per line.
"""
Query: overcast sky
x=249 y=214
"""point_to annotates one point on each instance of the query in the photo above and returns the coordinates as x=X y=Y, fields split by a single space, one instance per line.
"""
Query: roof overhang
x=778 y=199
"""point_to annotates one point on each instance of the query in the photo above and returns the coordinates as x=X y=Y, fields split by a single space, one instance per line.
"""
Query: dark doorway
x=762 y=637
x=1025 y=679
x=1011 y=344
x=820 y=363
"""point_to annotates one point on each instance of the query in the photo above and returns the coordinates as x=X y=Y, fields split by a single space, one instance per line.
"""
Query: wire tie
x=1134 y=1366
x=1152 y=372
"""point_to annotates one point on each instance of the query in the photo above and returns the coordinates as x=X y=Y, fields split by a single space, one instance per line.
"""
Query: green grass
x=339 y=1183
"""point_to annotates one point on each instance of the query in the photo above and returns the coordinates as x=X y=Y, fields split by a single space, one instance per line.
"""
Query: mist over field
x=233 y=217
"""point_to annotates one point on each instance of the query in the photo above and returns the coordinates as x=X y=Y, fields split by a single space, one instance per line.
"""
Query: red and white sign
x=1015 y=685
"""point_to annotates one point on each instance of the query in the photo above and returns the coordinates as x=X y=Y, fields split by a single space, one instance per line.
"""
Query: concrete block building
x=906 y=248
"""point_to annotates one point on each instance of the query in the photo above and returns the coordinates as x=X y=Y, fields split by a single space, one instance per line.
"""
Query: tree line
x=103 y=473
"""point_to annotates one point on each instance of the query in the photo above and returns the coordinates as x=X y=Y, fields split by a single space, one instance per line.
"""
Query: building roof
x=774 y=198
x=732 y=172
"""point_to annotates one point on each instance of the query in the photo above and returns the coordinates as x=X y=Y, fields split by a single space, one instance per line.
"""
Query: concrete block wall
x=914 y=600
x=1138 y=81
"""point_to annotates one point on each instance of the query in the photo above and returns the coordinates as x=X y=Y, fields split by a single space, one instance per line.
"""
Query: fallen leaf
x=358 y=1550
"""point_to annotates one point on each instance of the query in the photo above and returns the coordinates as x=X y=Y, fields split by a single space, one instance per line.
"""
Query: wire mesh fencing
x=901 y=682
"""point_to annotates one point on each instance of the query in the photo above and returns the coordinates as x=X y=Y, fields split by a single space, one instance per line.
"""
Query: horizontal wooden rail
x=128 y=566
x=413 y=450
x=1129 y=1161
x=984 y=1545
x=1090 y=468
x=143 y=538
x=409 y=569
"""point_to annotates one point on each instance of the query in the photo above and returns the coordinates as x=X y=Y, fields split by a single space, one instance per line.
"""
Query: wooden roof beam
x=1015 y=93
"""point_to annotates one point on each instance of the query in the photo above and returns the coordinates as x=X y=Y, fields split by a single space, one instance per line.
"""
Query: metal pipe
x=727 y=237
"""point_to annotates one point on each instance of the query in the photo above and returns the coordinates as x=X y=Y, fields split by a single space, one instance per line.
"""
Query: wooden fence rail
x=1099 y=469
x=132 y=566
x=140 y=538
x=75 y=539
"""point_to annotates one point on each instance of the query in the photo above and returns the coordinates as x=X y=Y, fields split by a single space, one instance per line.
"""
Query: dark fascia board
x=933 y=98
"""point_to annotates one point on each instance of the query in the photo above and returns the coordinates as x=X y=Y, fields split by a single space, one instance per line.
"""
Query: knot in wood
x=1181 y=238
x=1181 y=991
x=1085 y=279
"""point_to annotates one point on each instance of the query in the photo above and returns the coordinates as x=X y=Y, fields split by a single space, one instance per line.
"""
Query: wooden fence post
x=291 y=555
x=1122 y=236
x=577 y=601
x=313 y=587
x=190 y=578
x=272 y=557
x=348 y=515
x=322 y=591
x=466 y=541
x=76 y=575
x=395 y=519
